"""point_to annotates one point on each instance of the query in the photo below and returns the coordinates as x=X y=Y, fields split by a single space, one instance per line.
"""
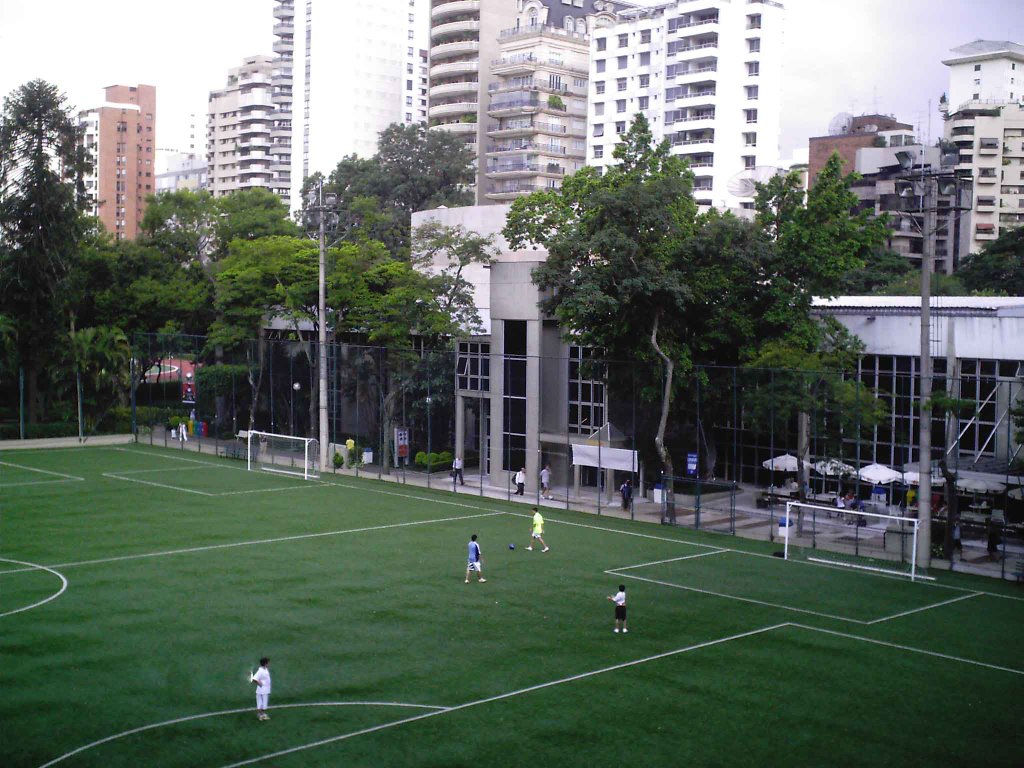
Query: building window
x=602 y=44
x=753 y=69
x=754 y=45
x=754 y=21
x=599 y=129
x=513 y=453
x=977 y=67
x=976 y=96
x=645 y=81
x=598 y=151
x=474 y=366
x=645 y=59
x=644 y=102
x=599 y=65
x=749 y=162
x=620 y=127
x=623 y=41
x=645 y=36
x=570 y=23
x=751 y=92
x=623 y=61
x=750 y=139
x=599 y=87
x=586 y=391
x=620 y=83
x=620 y=105
x=599 y=109
x=750 y=115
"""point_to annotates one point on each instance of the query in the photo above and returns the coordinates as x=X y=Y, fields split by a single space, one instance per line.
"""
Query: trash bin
x=367 y=456
x=204 y=428
x=784 y=525
x=658 y=493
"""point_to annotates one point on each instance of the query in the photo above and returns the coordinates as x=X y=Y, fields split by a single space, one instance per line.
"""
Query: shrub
x=338 y=460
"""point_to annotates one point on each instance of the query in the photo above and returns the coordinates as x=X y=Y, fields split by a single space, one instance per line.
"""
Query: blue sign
x=691 y=463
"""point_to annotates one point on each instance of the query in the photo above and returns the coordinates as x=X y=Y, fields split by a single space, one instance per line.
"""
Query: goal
x=284 y=454
x=859 y=539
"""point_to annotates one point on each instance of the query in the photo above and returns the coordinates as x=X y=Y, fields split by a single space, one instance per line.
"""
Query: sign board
x=691 y=464
x=402 y=442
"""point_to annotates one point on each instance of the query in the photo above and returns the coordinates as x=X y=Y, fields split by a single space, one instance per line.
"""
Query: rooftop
x=985 y=49
x=1001 y=306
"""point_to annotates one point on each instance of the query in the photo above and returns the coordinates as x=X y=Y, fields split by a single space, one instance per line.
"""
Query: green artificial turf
x=182 y=570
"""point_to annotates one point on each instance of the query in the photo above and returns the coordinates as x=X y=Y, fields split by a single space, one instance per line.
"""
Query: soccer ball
x=511 y=546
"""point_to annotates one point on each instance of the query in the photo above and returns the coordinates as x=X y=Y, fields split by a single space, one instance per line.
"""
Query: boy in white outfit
x=262 y=681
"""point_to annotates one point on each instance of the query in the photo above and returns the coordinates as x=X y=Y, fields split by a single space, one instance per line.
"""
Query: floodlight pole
x=322 y=339
x=924 y=502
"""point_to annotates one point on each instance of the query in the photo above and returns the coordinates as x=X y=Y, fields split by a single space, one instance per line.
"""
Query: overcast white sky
x=841 y=55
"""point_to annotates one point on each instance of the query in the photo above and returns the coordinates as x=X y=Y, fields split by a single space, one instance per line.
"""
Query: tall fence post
x=21 y=403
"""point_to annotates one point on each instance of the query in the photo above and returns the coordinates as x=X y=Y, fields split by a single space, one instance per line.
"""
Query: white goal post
x=829 y=541
x=283 y=454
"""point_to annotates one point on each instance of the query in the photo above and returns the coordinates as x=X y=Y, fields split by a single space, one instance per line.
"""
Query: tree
x=881 y=269
x=998 y=267
x=610 y=276
x=909 y=284
x=41 y=204
x=414 y=169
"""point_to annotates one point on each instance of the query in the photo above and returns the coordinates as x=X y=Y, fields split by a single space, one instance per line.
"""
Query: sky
x=856 y=56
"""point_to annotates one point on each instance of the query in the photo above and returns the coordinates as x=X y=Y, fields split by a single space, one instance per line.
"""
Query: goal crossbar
x=912 y=522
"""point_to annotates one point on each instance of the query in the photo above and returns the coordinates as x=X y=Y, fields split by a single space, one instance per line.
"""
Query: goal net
x=284 y=454
x=861 y=539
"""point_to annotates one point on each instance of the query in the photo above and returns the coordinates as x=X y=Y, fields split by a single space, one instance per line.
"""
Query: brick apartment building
x=858 y=133
x=120 y=136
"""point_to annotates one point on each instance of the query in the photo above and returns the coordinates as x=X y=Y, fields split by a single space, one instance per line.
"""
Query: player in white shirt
x=262 y=681
x=475 y=560
x=619 y=598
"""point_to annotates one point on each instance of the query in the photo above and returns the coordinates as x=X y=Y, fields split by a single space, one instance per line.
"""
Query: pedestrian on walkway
x=520 y=481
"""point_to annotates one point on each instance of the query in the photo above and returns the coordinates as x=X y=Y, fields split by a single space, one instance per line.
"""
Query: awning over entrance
x=604 y=457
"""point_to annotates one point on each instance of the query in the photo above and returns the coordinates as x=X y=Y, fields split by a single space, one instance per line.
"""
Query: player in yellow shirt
x=538 y=531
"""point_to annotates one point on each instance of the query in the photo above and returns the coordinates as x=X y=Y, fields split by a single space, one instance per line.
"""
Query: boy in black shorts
x=619 y=598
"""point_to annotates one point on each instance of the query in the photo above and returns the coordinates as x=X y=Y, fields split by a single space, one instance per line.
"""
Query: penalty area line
x=41 y=471
x=509 y=695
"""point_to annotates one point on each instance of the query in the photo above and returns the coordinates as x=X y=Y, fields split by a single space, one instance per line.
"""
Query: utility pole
x=924 y=502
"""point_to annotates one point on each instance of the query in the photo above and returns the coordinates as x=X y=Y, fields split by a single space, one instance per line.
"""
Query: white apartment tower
x=537 y=100
x=707 y=74
x=282 y=80
x=240 y=120
x=985 y=119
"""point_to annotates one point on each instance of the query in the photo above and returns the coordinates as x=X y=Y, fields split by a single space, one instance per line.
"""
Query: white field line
x=910 y=649
x=41 y=471
x=298 y=537
x=926 y=608
x=670 y=560
x=223 y=712
x=272 y=490
x=169 y=469
x=157 y=485
x=502 y=696
x=35 y=482
x=614 y=572
x=36 y=567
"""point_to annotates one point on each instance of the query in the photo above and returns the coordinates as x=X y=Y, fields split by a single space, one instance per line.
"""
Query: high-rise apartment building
x=707 y=75
x=120 y=136
x=537 y=99
x=282 y=81
x=984 y=117
x=240 y=120
x=185 y=170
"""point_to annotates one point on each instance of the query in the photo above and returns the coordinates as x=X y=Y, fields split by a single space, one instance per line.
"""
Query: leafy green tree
x=250 y=214
x=611 y=276
x=41 y=204
x=909 y=284
x=998 y=267
x=882 y=268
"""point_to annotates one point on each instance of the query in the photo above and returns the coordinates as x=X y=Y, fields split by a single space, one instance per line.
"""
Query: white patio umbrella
x=880 y=474
x=783 y=463
x=977 y=485
x=1016 y=493
x=914 y=478
x=833 y=467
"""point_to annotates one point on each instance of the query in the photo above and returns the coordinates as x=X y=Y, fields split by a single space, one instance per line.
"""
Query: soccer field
x=139 y=587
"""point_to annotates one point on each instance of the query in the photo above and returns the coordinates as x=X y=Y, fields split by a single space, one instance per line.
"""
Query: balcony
x=985 y=232
x=511 y=190
x=527 y=146
x=453 y=108
x=284 y=28
x=462 y=27
x=458 y=48
x=984 y=203
x=449 y=89
x=987 y=176
x=988 y=146
x=516 y=33
x=456 y=8
x=463 y=67
x=459 y=129
x=284 y=46
x=284 y=11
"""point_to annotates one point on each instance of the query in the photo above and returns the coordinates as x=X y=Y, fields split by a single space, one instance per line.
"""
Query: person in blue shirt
x=475 y=562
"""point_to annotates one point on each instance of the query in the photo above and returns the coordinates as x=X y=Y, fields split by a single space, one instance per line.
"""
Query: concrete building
x=282 y=81
x=537 y=100
x=985 y=120
x=852 y=134
x=240 y=120
x=363 y=71
x=120 y=136
x=184 y=171
x=707 y=75
x=887 y=187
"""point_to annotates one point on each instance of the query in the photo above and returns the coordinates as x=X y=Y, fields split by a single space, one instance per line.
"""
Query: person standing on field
x=626 y=491
x=619 y=598
x=538 y=531
x=476 y=561
x=262 y=681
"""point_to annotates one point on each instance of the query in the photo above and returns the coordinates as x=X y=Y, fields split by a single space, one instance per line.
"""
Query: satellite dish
x=840 y=124
x=744 y=183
